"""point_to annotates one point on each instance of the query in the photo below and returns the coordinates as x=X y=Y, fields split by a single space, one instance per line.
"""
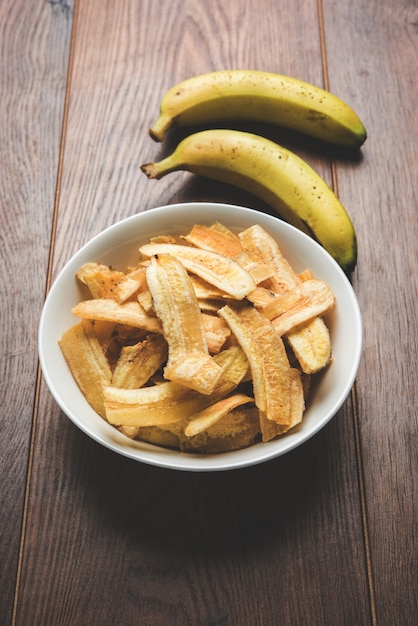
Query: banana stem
x=160 y=168
x=160 y=127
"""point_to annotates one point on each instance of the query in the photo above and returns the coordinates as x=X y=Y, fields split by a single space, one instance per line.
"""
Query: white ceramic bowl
x=118 y=246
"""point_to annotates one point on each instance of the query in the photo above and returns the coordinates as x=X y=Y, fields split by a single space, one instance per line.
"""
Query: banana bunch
x=256 y=164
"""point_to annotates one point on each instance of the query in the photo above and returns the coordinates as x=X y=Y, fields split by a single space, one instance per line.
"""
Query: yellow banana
x=260 y=96
x=277 y=176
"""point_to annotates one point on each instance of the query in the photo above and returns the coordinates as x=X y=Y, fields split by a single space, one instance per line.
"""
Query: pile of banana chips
x=207 y=345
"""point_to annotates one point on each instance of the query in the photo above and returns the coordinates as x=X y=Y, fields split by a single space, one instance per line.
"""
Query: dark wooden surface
x=323 y=536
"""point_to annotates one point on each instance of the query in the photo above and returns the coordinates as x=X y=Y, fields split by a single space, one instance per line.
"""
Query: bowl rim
x=183 y=461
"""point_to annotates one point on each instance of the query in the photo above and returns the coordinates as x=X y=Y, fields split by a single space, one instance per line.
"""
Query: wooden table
x=325 y=535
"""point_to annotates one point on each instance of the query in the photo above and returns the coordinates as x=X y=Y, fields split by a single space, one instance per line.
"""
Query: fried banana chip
x=261 y=246
x=176 y=305
x=168 y=402
x=137 y=363
x=87 y=362
x=205 y=290
x=216 y=331
x=218 y=270
x=270 y=429
x=165 y=436
x=272 y=304
x=306 y=275
x=145 y=300
x=129 y=431
x=107 y=310
x=223 y=241
x=286 y=282
x=259 y=272
x=150 y=406
x=226 y=243
x=204 y=419
x=236 y=430
x=100 y=279
x=130 y=285
x=317 y=298
x=271 y=372
x=311 y=344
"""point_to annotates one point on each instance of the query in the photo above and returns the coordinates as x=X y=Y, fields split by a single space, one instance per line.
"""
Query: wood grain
x=34 y=49
x=149 y=546
x=383 y=197
x=324 y=535
x=168 y=547
x=124 y=61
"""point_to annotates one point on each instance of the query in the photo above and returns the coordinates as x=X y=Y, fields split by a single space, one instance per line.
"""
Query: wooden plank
x=34 y=48
x=128 y=543
x=126 y=58
x=119 y=542
x=380 y=81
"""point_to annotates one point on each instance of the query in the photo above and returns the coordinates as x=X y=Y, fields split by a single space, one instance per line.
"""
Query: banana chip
x=131 y=284
x=316 y=299
x=87 y=361
x=106 y=310
x=206 y=418
x=101 y=280
x=272 y=374
x=222 y=241
x=176 y=305
x=168 y=402
x=218 y=270
x=137 y=363
x=287 y=283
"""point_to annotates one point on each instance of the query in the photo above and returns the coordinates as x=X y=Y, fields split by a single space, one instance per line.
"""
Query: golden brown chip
x=216 y=269
x=216 y=331
x=317 y=298
x=129 y=431
x=271 y=372
x=234 y=365
x=107 y=310
x=289 y=284
x=222 y=242
x=87 y=362
x=168 y=402
x=163 y=239
x=104 y=332
x=311 y=345
x=151 y=406
x=205 y=290
x=176 y=305
x=165 y=436
x=145 y=300
x=259 y=271
x=207 y=417
x=271 y=429
x=237 y=429
x=306 y=275
x=272 y=304
x=100 y=279
x=260 y=245
x=131 y=284
x=137 y=363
